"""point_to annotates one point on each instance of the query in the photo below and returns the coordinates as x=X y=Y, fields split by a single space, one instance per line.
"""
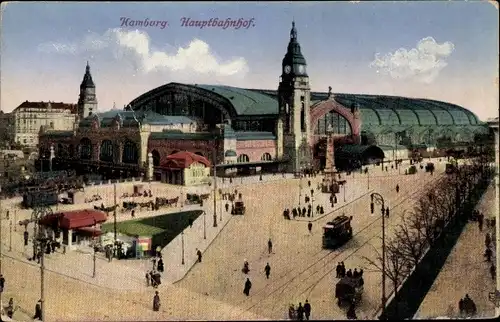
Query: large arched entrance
x=85 y=149
x=106 y=154
x=353 y=156
x=130 y=153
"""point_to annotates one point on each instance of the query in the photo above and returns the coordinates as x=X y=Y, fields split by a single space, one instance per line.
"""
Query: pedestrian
x=493 y=271
x=343 y=271
x=38 y=311
x=267 y=269
x=270 y=246
x=148 y=278
x=300 y=312
x=351 y=312
x=10 y=308
x=133 y=213
x=488 y=254
x=397 y=188
x=349 y=273
x=480 y=222
x=248 y=286
x=154 y=259
x=387 y=212
x=307 y=309
x=26 y=236
x=487 y=240
x=309 y=227
x=198 y=253
x=317 y=209
x=190 y=221
x=461 y=306
x=338 y=269
x=227 y=207
x=355 y=274
x=2 y=283
x=156 y=302
x=160 y=265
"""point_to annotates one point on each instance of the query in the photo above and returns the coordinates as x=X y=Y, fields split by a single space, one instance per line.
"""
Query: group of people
x=466 y=306
x=342 y=272
x=300 y=312
x=298 y=212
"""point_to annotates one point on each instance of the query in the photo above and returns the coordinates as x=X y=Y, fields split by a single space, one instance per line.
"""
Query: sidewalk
x=465 y=272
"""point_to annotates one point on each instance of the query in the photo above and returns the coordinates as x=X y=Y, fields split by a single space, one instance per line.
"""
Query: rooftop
x=46 y=105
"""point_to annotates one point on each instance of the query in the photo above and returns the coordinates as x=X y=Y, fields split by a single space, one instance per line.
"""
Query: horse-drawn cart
x=349 y=290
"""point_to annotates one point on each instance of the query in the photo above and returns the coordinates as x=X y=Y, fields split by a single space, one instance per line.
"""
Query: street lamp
x=182 y=242
x=215 y=188
x=343 y=186
x=377 y=198
x=114 y=220
x=94 y=245
x=204 y=225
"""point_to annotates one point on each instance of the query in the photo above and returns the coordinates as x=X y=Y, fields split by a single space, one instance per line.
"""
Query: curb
x=209 y=244
x=337 y=209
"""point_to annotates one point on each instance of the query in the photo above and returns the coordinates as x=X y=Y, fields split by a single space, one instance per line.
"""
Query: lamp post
x=10 y=235
x=343 y=186
x=377 y=198
x=215 y=188
x=368 y=181
x=114 y=220
x=204 y=225
x=182 y=243
x=94 y=245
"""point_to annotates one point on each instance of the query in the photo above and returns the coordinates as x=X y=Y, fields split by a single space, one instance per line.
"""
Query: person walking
x=493 y=271
x=148 y=278
x=156 y=302
x=198 y=253
x=461 y=307
x=38 y=311
x=267 y=270
x=351 y=312
x=2 y=283
x=309 y=227
x=26 y=237
x=300 y=312
x=270 y=246
x=248 y=286
x=10 y=308
x=307 y=309
x=397 y=188
x=488 y=253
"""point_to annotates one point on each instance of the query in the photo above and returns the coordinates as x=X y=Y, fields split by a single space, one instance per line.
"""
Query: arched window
x=85 y=149
x=266 y=157
x=130 y=152
x=334 y=122
x=243 y=158
x=106 y=154
x=156 y=158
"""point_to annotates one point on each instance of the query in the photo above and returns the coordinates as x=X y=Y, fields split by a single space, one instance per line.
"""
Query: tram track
x=287 y=281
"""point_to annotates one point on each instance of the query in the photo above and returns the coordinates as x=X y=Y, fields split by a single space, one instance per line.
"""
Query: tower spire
x=293 y=32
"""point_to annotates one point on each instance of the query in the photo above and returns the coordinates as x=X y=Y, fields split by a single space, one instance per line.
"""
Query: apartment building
x=28 y=117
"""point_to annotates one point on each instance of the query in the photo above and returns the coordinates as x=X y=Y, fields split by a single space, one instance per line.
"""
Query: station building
x=240 y=130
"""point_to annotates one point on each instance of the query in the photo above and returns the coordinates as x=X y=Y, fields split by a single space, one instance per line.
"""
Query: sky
x=443 y=50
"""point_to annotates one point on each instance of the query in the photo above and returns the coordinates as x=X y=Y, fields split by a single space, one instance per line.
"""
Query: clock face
x=302 y=69
x=288 y=69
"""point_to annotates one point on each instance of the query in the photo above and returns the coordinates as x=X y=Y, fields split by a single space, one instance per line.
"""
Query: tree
x=397 y=267
x=412 y=244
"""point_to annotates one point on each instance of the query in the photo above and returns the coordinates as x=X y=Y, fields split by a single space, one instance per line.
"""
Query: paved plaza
x=213 y=289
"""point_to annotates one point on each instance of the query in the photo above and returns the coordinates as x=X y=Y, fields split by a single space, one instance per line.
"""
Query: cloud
x=135 y=45
x=422 y=63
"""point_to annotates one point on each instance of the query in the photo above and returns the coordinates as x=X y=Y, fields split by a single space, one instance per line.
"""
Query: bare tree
x=412 y=244
x=396 y=266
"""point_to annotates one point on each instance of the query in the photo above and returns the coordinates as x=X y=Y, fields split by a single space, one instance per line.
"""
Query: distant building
x=6 y=129
x=28 y=117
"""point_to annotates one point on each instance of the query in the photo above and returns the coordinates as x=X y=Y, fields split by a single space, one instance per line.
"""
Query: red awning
x=184 y=159
x=81 y=218
x=90 y=231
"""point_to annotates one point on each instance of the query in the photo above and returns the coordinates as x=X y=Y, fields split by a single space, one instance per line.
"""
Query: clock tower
x=293 y=125
x=87 y=101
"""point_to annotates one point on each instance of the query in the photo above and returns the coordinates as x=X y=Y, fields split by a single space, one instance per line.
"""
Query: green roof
x=131 y=118
x=375 y=109
x=245 y=102
x=177 y=135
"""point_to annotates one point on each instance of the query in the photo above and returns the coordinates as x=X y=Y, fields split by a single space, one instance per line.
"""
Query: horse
x=147 y=204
